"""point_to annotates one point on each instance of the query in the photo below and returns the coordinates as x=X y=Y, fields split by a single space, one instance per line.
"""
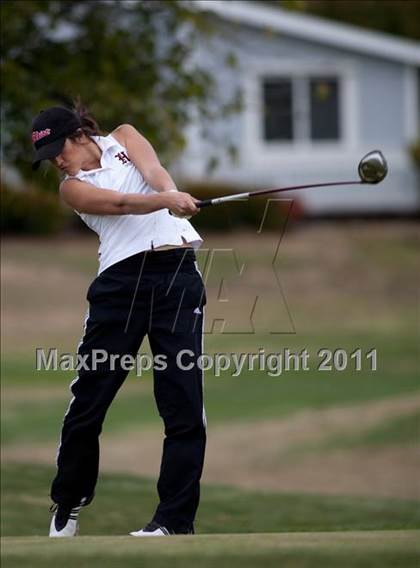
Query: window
x=278 y=124
x=324 y=109
x=301 y=108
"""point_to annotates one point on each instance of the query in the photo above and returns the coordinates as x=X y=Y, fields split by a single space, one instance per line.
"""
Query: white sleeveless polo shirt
x=122 y=236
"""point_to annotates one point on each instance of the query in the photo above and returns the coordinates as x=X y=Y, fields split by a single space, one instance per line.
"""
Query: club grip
x=204 y=203
x=200 y=205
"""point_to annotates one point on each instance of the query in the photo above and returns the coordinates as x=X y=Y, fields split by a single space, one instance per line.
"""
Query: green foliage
x=415 y=152
x=30 y=211
x=397 y=17
x=129 y=62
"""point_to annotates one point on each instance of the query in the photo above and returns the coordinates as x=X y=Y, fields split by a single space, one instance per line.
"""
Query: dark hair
x=89 y=125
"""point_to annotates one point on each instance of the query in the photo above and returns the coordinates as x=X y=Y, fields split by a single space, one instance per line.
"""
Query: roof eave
x=310 y=28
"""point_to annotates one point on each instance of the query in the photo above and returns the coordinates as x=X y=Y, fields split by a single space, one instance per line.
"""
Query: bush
x=33 y=211
x=415 y=152
x=245 y=213
x=30 y=211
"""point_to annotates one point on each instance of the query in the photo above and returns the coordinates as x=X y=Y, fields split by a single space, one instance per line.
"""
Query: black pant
x=161 y=294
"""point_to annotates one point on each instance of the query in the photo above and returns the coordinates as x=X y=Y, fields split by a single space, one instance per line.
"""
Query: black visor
x=49 y=132
x=48 y=152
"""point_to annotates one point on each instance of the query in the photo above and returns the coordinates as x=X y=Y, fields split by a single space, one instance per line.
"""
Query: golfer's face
x=70 y=157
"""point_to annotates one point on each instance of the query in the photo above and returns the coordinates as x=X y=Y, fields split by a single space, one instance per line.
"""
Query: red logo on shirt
x=122 y=156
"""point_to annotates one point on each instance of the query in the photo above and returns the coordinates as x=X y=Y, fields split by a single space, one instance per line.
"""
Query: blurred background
x=234 y=96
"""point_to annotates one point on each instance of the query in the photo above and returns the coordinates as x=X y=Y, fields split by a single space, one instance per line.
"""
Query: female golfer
x=148 y=283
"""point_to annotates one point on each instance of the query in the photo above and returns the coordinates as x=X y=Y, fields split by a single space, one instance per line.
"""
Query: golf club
x=372 y=170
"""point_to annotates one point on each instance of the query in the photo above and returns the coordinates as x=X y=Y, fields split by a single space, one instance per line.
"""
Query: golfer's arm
x=87 y=198
x=143 y=156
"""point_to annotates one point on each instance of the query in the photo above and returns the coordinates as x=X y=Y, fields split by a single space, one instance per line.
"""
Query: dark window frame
x=312 y=129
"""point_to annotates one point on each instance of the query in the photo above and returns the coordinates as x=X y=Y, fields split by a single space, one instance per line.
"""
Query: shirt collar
x=105 y=143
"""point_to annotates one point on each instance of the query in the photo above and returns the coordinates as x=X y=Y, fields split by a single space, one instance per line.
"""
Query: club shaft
x=239 y=196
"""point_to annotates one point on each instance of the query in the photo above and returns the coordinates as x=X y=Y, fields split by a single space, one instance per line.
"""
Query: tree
x=128 y=61
x=397 y=17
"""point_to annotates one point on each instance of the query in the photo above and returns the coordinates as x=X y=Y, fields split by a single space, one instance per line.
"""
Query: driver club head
x=373 y=167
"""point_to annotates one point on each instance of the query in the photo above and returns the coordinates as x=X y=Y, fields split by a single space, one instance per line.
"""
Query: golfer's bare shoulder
x=87 y=198
x=80 y=195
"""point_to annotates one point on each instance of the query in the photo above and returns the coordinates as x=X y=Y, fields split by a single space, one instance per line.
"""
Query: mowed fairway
x=310 y=467
x=327 y=530
x=291 y=550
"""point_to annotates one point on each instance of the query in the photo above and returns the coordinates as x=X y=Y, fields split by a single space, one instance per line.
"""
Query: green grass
x=326 y=550
x=403 y=430
x=251 y=396
x=396 y=355
x=69 y=255
x=360 y=295
x=311 y=530
x=124 y=502
x=400 y=431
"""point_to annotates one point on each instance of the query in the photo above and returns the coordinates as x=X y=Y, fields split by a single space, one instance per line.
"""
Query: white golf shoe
x=151 y=529
x=154 y=529
x=65 y=522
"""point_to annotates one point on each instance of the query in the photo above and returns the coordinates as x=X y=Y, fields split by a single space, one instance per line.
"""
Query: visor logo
x=38 y=134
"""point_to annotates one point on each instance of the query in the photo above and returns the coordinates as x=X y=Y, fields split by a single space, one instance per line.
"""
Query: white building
x=317 y=96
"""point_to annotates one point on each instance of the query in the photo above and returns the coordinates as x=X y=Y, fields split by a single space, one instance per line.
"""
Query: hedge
x=30 y=211
x=245 y=213
x=34 y=211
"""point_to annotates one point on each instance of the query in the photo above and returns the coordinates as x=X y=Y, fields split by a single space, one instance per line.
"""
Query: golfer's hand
x=181 y=204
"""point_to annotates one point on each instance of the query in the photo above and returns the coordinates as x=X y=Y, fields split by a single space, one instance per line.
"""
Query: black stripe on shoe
x=153 y=526
x=62 y=515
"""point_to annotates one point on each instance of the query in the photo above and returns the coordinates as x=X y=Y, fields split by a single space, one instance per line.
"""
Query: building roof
x=315 y=29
